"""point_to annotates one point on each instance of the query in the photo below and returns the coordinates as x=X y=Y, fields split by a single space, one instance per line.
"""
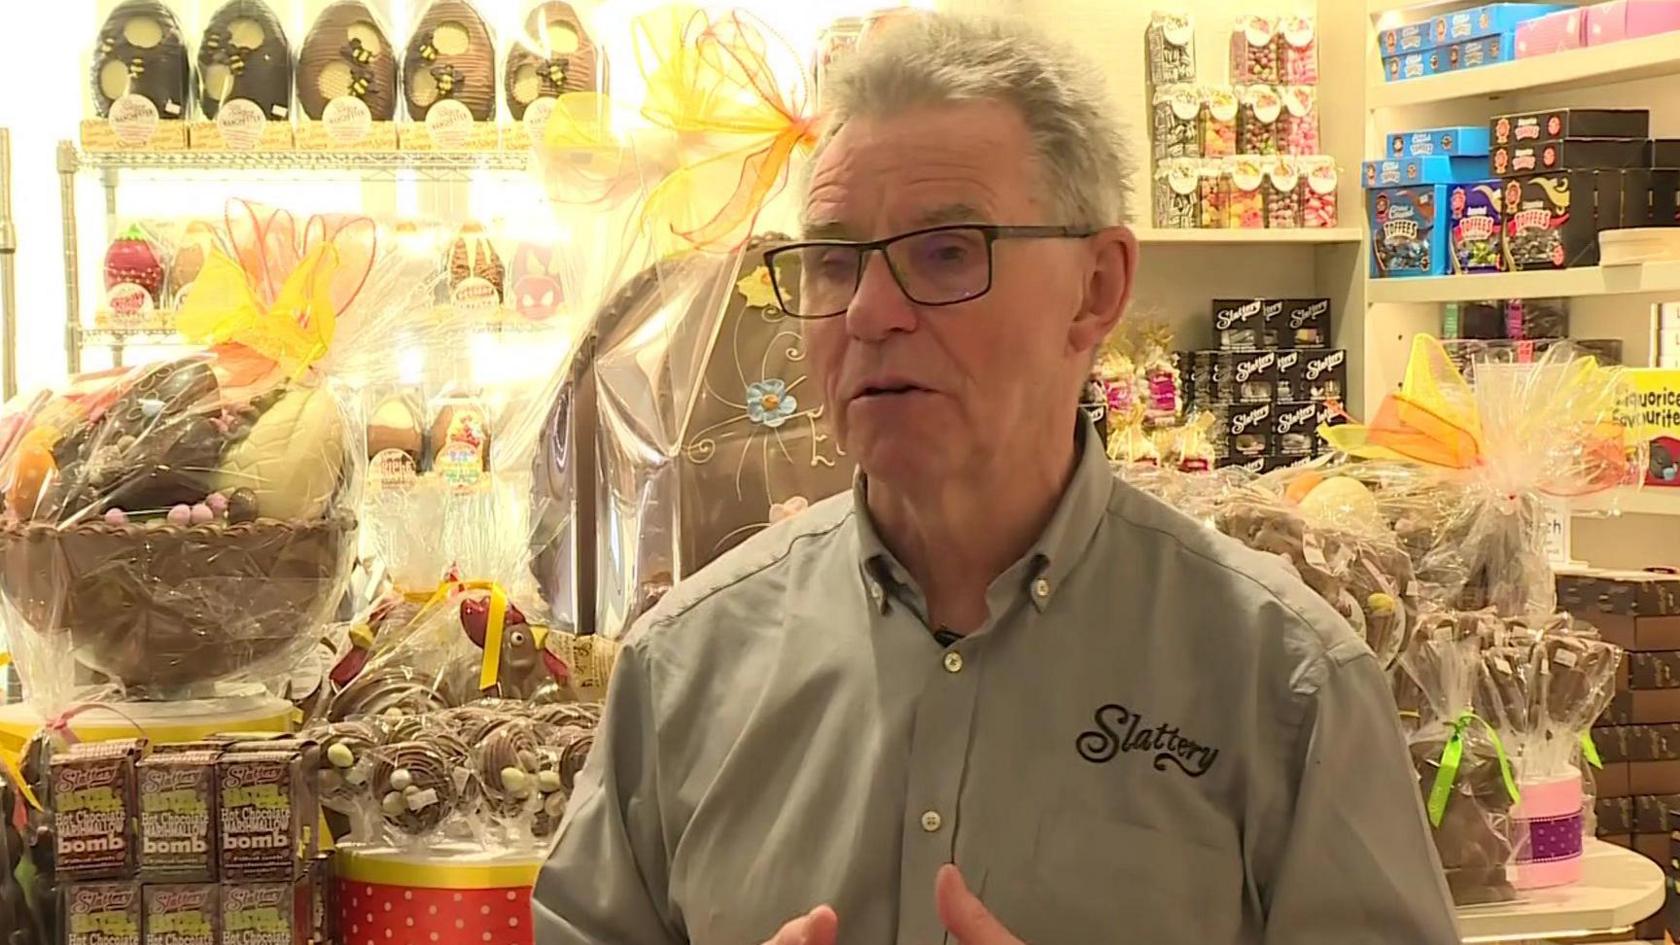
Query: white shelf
x=1346 y=234
x=1572 y=283
x=1618 y=889
x=1651 y=500
x=1646 y=58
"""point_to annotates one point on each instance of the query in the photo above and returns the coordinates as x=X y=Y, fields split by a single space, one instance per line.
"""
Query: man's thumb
x=963 y=914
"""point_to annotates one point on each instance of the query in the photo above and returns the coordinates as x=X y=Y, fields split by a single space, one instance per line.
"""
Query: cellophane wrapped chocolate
x=1464 y=773
x=183 y=528
x=1471 y=469
x=1171 y=43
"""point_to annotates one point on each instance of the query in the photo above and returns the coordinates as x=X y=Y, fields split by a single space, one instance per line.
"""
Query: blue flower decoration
x=768 y=402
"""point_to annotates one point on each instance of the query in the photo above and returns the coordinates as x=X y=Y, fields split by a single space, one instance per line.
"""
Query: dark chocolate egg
x=141 y=51
x=554 y=56
x=450 y=56
x=346 y=53
x=245 y=55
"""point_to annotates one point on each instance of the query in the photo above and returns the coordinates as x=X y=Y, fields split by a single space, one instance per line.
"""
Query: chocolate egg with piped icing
x=347 y=54
x=553 y=56
x=141 y=52
x=245 y=56
x=450 y=57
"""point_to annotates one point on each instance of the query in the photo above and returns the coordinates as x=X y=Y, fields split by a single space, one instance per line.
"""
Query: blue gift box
x=1487 y=51
x=1488 y=20
x=1466 y=141
x=1439 y=169
x=1408 y=232
x=1477 y=231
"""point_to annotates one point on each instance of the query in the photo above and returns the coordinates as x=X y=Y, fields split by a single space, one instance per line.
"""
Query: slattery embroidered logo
x=1119 y=729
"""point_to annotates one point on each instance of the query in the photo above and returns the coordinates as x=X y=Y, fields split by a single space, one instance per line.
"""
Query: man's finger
x=820 y=926
x=964 y=915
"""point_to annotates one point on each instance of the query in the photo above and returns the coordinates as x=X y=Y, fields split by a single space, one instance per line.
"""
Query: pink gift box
x=1631 y=19
x=1552 y=33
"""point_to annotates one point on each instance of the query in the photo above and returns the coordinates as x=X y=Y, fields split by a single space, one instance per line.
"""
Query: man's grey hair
x=941 y=58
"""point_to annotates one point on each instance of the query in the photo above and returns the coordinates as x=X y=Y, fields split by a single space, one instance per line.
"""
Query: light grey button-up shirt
x=1158 y=737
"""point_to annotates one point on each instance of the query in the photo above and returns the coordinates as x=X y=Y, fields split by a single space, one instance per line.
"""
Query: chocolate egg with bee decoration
x=244 y=55
x=554 y=56
x=450 y=57
x=346 y=54
x=141 y=52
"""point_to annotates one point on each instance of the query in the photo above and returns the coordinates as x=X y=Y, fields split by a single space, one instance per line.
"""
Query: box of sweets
x=1461 y=141
x=1477 y=227
x=1489 y=20
x=1407 y=238
x=1410 y=171
x=1550 y=221
x=1574 y=154
x=1558 y=124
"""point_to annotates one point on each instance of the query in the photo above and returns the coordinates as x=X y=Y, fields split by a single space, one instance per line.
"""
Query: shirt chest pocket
x=1094 y=880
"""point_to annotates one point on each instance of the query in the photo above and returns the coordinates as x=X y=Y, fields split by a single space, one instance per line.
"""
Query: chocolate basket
x=159 y=607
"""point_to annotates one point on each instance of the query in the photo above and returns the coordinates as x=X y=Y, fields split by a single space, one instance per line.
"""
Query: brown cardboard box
x=1653 y=777
x=1613 y=780
x=1587 y=592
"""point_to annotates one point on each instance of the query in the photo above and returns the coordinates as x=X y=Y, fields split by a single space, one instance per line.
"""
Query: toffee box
x=1408 y=237
x=1458 y=141
x=1575 y=154
x=1558 y=124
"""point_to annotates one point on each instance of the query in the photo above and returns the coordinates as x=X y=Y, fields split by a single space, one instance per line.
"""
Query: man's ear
x=1108 y=287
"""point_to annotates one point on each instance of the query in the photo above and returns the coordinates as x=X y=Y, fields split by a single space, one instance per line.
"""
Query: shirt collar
x=1051 y=558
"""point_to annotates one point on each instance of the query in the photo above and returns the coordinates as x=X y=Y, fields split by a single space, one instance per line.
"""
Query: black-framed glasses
x=940 y=265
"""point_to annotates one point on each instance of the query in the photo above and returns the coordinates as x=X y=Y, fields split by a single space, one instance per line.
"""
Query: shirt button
x=931 y=821
x=953 y=662
x=1041 y=588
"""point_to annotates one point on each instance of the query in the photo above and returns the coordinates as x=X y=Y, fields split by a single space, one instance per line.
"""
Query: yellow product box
x=261 y=135
x=99 y=134
x=1656 y=416
x=327 y=136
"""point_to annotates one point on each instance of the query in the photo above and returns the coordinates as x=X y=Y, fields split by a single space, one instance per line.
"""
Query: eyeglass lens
x=937 y=268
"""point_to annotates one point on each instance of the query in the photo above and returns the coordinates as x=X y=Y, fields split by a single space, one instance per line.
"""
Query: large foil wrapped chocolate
x=141 y=52
x=346 y=53
x=451 y=58
x=244 y=55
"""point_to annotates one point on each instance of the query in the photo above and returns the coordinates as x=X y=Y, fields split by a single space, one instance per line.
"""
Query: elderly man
x=992 y=695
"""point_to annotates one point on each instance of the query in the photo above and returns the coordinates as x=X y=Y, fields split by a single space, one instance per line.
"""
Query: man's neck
x=957 y=537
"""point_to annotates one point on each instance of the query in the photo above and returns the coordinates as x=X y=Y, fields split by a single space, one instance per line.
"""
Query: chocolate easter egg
x=475 y=269
x=534 y=281
x=244 y=55
x=450 y=57
x=141 y=52
x=347 y=55
x=555 y=55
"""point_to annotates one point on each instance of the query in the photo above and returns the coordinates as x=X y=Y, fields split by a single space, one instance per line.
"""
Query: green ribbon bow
x=1589 y=751
x=1453 y=755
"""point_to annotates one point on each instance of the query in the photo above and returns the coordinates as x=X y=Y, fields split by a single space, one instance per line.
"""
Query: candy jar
x=1176 y=186
x=1213 y=194
x=1318 y=192
x=1254 y=57
x=1246 y=207
x=1219 y=121
x=1282 y=194
x=1176 y=129
x=1297 y=44
x=1259 y=109
x=1298 y=125
x=1171 y=39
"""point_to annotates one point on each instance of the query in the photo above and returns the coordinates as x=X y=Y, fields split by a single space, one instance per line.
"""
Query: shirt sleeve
x=606 y=881
x=1358 y=864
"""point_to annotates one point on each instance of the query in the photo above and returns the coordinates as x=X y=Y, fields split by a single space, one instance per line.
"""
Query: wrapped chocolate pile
x=182 y=528
x=1497 y=712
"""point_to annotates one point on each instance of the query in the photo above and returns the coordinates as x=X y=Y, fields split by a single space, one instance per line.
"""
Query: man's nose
x=879 y=307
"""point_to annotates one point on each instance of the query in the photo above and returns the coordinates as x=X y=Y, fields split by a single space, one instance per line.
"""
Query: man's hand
x=820 y=926
x=964 y=915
